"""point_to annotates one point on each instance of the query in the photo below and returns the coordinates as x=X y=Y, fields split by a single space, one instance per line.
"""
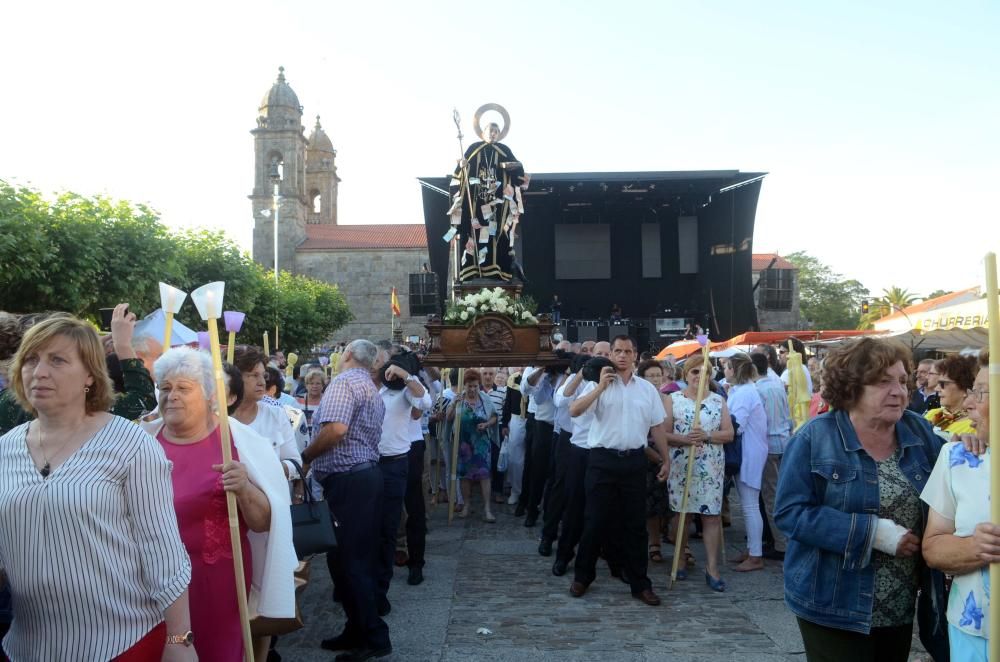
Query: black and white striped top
x=92 y=553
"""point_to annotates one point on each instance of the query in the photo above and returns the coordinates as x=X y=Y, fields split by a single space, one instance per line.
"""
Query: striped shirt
x=92 y=552
x=352 y=399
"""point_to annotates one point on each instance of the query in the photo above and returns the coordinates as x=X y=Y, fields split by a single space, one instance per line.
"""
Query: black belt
x=625 y=453
x=392 y=458
x=363 y=466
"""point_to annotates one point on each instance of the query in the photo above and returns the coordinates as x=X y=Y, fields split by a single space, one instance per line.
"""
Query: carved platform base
x=492 y=340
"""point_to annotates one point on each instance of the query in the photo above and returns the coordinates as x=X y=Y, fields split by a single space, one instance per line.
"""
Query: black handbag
x=734 y=451
x=313 y=527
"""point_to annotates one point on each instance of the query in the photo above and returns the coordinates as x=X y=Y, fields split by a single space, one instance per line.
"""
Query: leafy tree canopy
x=80 y=254
x=826 y=299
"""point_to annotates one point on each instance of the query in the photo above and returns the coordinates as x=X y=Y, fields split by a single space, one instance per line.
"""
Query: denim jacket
x=827 y=504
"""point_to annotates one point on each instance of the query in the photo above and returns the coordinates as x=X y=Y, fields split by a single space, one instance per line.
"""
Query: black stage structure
x=671 y=249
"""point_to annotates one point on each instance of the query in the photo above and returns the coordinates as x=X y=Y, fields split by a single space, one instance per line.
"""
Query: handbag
x=504 y=457
x=313 y=527
x=734 y=451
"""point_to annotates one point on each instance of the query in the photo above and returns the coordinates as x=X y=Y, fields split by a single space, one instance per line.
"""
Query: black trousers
x=574 y=484
x=529 y=443
x=355 y=500
x=394 y=479
x=825 y=644
x=615 y=495
x=416 y=511
x=555 y=492
x=496 y=476
x=541 y=456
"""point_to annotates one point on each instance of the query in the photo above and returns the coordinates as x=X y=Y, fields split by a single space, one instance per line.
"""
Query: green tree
x=938 y=293
x=79 y=254
x=826 y=299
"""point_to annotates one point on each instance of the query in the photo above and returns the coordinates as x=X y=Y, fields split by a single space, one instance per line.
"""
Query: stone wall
x=366 y=278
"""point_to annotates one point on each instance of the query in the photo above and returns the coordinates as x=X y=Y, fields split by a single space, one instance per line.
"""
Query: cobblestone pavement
x=481 y=575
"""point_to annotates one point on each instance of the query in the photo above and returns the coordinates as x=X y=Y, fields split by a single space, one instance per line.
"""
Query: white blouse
x=92 y=553
x=273 y=424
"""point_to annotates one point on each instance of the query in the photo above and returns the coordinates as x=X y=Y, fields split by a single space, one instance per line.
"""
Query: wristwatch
x=187 y=639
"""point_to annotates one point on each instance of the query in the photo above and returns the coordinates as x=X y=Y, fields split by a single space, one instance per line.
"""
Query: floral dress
x=705 y=493
x=474 y=445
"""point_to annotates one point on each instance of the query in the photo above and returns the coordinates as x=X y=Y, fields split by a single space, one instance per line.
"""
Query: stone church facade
x=364 y=260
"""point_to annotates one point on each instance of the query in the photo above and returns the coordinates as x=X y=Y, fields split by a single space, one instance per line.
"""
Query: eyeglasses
x=979 y=393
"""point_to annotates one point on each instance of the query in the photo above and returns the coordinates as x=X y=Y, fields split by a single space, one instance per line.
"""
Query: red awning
x=684 y=348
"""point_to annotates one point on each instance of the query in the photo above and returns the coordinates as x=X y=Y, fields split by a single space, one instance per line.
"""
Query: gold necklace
x=47 y=467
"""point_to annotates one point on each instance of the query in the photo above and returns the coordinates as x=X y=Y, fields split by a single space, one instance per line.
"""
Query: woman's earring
x=86 y=389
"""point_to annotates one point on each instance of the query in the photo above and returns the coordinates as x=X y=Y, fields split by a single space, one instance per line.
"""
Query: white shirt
x=398 y=425
x=959 y=490
x=272 y=423
x=541 y=396
x=623 y=415
x=809 y=380
x=563 y=420
x=582 y=423
x=532 y=407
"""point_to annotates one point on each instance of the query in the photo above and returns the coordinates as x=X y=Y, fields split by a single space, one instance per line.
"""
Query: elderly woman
x=269 y=421
x=715 y=428
x=848 y=500
x=86 y=514
x=315 y=381
x=189 y=433
x=747 y=407
x=478 y=420
x=960 y=539
x=656 y=492
x=955 y=375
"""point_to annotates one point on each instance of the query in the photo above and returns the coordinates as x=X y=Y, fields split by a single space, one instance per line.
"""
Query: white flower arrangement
x=465 y=310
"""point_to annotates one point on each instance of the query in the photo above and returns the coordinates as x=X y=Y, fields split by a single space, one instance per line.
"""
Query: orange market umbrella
x=679 y=350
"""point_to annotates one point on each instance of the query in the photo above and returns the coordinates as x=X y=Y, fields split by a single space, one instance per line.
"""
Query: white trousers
x=749 y=501
x=515 y=455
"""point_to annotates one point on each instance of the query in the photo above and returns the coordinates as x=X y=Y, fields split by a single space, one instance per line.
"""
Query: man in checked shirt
x=344 y=456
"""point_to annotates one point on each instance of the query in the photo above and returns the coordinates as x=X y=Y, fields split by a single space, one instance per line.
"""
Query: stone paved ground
x=482 y=575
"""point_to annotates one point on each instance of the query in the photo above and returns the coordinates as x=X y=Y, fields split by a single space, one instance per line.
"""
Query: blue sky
x=877 y=121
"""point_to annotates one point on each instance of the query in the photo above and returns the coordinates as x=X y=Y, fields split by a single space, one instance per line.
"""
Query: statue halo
x=486 y=107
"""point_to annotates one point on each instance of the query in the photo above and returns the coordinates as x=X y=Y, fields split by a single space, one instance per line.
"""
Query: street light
x=275 y=176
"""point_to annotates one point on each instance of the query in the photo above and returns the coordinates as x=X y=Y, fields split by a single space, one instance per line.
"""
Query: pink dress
x=200 y=503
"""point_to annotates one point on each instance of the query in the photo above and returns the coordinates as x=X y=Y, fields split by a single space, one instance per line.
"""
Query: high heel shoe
x=717 y=585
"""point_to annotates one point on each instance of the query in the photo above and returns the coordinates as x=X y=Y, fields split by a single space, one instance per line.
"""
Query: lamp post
x=275 y=177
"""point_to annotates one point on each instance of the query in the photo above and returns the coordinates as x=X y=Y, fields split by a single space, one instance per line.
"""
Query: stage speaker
x=424 y=294
x=687 y=244
x=585 y=333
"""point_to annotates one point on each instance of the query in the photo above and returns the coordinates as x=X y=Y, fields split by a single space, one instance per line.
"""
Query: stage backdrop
x=647 y=241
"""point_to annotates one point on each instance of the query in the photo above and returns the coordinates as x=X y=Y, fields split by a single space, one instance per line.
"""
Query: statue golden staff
x=208 y=300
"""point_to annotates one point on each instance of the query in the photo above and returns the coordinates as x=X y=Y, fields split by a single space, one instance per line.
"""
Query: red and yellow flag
x=395 y=303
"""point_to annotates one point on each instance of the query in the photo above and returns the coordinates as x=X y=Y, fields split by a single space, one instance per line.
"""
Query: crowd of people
x=113 y=485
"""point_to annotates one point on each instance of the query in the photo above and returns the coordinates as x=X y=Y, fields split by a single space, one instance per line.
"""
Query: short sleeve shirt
x=351 y=399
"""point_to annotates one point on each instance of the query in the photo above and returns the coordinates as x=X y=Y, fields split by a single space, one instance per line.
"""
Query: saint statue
x=487 y=204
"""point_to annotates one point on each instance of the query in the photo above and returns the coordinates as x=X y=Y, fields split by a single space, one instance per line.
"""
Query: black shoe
x=342 y=642
x=520 y=510
x=774 y=555
x=531 y=520
x=365 y=653
x=559 y=568
x=545 y=547
x=615 y=571
x=383 y=607
x=416 y=576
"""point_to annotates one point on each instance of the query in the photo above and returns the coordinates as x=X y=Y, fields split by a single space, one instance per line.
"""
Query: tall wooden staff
x=171 y=300
x=208 y=300
x=456 y=436
x=679 y=537
x=993 y=311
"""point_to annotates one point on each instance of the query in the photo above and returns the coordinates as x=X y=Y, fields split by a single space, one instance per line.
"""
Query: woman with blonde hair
x=705 y=441
x=86 y=509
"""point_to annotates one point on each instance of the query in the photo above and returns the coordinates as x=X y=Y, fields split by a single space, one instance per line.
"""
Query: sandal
x=654 y=554
x=489 y=518
x=689 y=559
